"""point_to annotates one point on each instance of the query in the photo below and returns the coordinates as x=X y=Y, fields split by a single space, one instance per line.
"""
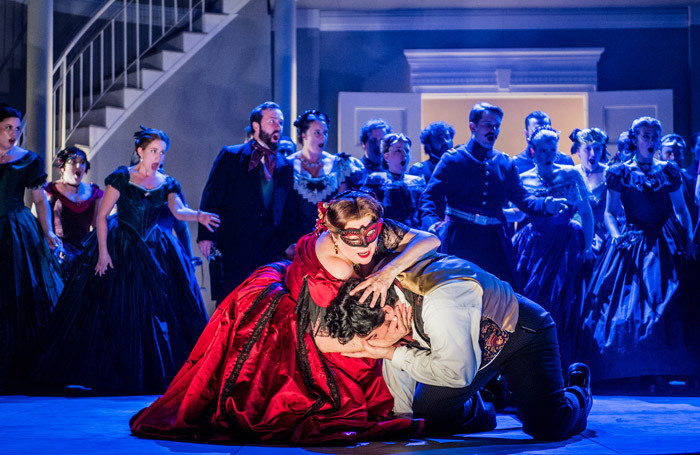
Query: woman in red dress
x=261 y=371
x=73 y=203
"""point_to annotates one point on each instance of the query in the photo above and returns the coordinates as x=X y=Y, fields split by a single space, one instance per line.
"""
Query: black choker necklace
x=644 y=166
x=592 y=171
x=71 y=184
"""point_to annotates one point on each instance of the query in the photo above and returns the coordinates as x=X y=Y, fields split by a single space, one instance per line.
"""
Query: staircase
x=91 y=118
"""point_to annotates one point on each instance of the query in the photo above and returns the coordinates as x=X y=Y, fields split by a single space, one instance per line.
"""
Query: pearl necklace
x=310 y=164
x=4 y=156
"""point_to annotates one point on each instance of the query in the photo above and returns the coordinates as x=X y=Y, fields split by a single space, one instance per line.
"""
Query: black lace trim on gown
x=304 y=317
x=391 y=236
x=279 y=291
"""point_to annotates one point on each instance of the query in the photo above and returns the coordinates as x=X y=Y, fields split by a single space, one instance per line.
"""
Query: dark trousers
x=530 y=365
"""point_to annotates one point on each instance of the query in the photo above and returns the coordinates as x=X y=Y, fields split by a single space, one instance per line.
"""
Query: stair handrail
x=81 y=33
x=64 y=72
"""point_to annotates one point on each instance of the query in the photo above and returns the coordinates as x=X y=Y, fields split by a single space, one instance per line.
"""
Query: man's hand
x=400 y=326
x=372 y=352
x=435 y=227
x=205 y=247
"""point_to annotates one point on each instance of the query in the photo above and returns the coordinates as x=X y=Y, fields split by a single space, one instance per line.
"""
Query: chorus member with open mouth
x=551 y=250
x=398 y=191
x=251 y=187
x=73 y=202
x=466 y=194
x=318 y=174
x=131 y=311
x=590 y=144
x=641 y=309
x=30 y=281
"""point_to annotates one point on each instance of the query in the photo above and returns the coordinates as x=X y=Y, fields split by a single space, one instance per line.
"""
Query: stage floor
x=99 y=425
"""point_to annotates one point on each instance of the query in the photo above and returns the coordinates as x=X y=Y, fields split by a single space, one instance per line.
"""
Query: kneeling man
x=466 y=327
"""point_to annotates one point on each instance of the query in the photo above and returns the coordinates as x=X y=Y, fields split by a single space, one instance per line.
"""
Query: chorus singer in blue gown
x=641 y=314
x=551 y=250
x=131 y=311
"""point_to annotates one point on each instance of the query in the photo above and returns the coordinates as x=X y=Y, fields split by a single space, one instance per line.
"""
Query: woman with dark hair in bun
x=398 y=191
x=30 y=280
x=131 y=310
x=73 y=203
x=319 y=175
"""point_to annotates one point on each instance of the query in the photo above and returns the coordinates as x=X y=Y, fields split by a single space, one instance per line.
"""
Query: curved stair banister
x=108 y=52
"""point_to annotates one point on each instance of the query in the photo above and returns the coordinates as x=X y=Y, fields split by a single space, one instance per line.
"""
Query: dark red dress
x=72 y=220
x=256 y=374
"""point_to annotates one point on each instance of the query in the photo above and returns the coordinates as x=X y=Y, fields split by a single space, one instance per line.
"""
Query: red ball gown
x=256 y=375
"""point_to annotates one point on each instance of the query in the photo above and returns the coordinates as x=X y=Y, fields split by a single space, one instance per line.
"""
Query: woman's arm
x=584 y=209
x=414 y=246
x=98 y=202
x=44 y=213
x=681 y=211
x=612 y=206
x=181 y=212
x=104 y=261
x=586 y=212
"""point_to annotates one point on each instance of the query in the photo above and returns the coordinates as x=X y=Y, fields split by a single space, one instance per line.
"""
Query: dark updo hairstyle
x=589 y=136
x=352 y=205
x=391 y=139
x=637 y=125
x=7 y=111
x=304 y=121
x=575 y=144
x=70 y=153
x=145 y=136
x=347 y=317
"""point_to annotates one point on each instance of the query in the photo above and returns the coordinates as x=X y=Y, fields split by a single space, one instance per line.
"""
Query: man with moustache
x=436 y=139
x=463 y=202
x=525 y=160
x=371 y=138
x=250 y=187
